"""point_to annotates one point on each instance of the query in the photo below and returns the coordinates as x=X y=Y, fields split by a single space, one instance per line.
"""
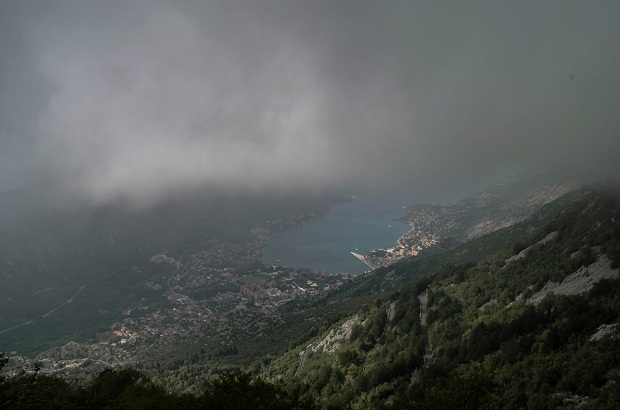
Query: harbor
x=350 y=228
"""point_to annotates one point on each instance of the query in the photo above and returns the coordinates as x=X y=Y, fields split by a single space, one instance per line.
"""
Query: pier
x=365 y=260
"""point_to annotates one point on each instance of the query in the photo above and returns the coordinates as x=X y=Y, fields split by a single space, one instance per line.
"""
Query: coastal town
x=200 y=292
x=429 y=224
x=260 y=292
x=208 y=291
x=440 y=226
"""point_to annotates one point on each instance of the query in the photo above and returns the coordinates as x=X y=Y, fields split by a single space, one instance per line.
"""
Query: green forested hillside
x=529 y=326
x=130 y=389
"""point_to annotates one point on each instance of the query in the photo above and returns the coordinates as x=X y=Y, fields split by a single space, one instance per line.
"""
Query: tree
x=3 y=360
x=239 y=391
x=33 y=391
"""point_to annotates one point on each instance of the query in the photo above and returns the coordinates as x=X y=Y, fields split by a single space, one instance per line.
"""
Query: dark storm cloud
x=137 y=99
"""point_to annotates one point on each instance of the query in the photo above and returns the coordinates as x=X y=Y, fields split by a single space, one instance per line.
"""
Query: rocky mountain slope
x=532 y=325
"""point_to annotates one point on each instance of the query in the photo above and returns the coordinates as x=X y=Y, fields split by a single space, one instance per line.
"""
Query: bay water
x=359 y=226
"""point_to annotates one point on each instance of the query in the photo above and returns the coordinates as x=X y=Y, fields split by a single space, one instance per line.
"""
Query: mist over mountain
x=142 y=100
x=149 y=151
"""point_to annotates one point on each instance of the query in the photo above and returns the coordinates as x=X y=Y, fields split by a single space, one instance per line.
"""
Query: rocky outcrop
x=580 y=281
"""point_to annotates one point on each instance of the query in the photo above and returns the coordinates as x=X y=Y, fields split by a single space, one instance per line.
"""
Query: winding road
x=428 y=353
x=66 y=302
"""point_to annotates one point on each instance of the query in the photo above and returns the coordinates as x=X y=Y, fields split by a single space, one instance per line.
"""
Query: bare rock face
x=604 y=331
x=331 y=342
x=580 y=281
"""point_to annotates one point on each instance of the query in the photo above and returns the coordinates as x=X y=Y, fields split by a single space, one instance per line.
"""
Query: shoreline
x=364 y=223
x=364 y=260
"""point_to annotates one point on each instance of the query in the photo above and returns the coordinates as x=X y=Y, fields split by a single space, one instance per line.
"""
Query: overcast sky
x=139 y=98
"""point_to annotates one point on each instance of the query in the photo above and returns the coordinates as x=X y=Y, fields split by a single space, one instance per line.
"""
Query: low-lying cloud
x=139 y=99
